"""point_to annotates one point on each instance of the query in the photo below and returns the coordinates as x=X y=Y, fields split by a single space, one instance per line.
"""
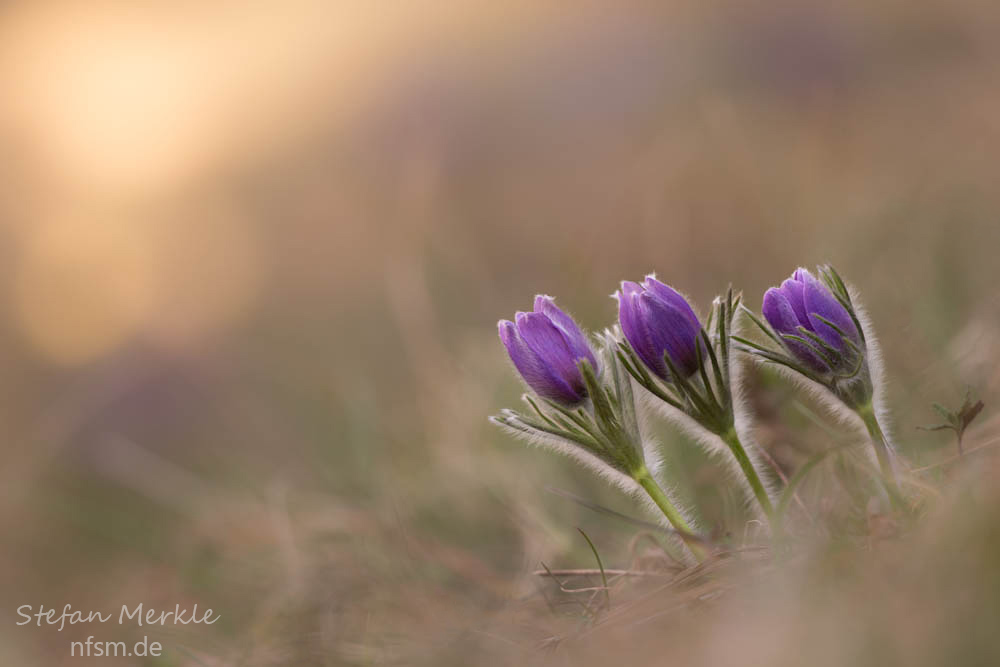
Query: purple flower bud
x=546 y=345
x=803 y=301
x=656 y=320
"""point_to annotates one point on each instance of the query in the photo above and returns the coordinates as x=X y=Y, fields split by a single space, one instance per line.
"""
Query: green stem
x=732 y=440
x=881 y=445
x=647 y=482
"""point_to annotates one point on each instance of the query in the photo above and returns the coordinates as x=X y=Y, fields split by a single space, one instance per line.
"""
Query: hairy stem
x=881 y=445
x=647 y=482
x=732 y=441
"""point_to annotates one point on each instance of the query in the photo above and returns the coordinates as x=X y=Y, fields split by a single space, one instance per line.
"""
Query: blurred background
x=252 y=256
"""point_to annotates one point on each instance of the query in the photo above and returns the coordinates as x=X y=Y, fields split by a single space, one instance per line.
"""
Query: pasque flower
x=663 y=334
x=656 y=321
x=819 y=328
x=813 y=324
x=546 y=347
x=554 y=358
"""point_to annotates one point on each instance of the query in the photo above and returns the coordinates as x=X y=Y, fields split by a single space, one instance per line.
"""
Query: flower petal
x=626 y=303
x=636 y=330
x=574 y=336
x=803 y=275
x=781 y=316
x=671 y=330
x=672 y=297
x=547 y=341
x=536 y=373
x=778 y=312
x=629 y=287
x=820 y=301
x=793 y=292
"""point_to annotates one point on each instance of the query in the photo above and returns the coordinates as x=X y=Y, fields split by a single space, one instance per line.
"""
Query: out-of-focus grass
x=248 y=364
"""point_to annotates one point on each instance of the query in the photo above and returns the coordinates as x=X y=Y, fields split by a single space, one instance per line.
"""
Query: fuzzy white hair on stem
x=743 y=421
x=834 y=406
x=876 y=368
x=717 y=450
x=512 y=425
x=658 y=470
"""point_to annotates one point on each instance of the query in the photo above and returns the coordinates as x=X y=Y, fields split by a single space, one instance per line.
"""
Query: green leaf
x=722 y=383
x=768 y=331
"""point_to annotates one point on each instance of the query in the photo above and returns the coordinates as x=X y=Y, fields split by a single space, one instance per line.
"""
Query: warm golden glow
x=208 y=267
x=108 y=100
x=136 y=100
x=86 y=284
x=82 y=286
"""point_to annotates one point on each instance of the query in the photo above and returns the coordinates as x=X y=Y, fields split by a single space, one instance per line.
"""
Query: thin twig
x=594 y=572
x=953 y=459
x=563 y=588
